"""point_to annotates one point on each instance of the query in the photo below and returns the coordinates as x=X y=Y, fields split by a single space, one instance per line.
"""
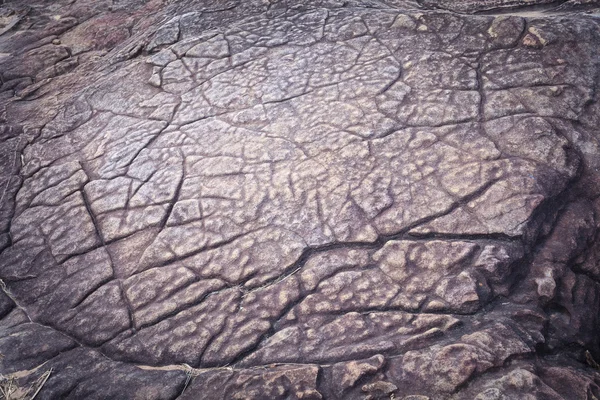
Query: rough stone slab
x=318 y=199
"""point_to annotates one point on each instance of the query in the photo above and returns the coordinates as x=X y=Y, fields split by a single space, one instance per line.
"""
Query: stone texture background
x=280 y=199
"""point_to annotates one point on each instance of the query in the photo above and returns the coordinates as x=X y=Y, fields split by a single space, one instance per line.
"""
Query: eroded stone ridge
x=299 y=200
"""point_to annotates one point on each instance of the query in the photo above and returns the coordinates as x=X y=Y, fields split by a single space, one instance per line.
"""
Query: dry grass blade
x=188 y=374
x=7 y=387
x=11 y=391
x=590 y=360
x=41 y=382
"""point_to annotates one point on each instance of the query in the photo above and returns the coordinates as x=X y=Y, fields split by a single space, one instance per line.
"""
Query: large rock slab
x=318 y=199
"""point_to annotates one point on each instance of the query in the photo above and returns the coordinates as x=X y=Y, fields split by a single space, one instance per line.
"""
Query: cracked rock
x=300 y=200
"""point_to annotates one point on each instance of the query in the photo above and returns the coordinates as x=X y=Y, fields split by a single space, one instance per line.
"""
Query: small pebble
x=56 y=41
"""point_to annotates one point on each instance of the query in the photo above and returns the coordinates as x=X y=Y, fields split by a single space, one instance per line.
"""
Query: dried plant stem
x=43 y=380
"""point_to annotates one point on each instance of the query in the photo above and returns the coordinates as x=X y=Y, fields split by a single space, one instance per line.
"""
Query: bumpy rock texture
x=278 y=199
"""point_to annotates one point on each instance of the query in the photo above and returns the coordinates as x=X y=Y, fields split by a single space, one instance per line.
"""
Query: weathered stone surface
x=317 y=199
x=268 y=382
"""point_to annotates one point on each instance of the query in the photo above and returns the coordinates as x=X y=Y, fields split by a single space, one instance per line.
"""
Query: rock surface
x=319 y=199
